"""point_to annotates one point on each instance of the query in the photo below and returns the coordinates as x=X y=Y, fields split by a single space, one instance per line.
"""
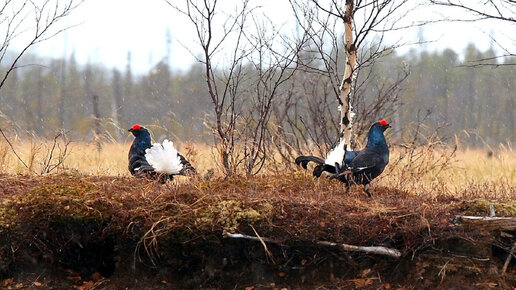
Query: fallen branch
x=246 y=237
x=481 y=218
x=486 y=222
x=370 y=250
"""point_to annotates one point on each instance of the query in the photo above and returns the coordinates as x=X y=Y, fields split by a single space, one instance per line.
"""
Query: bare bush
x=56 y=153
x=244 y=88
x=222 y=90
x=424 y=154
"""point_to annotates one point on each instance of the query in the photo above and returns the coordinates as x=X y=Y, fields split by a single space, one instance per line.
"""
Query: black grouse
x=157 y=161
x=357 y=167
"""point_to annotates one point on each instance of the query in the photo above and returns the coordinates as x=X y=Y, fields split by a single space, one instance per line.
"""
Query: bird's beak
x=389 y=126
x=130 y=130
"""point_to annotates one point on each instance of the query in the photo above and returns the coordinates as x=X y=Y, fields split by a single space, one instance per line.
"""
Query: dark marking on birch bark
x=345 y=120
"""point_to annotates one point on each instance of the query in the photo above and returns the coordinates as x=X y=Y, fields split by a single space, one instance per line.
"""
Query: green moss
x=7 y=215
x=54 y=203
x=480 y=207
x=228 y=214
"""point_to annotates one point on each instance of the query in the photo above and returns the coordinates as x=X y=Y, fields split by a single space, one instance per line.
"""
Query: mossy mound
x=175 y=232
x=480 y=207
x=228 y=214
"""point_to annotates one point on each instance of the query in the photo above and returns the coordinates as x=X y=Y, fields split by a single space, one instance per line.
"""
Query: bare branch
x=12 y=148
x=45 y=19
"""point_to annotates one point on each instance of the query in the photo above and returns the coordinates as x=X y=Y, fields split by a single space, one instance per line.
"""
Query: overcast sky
x=107 y=30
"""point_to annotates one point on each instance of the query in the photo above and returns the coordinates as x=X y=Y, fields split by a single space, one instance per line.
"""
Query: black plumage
x=358 y=167
x=138 y=163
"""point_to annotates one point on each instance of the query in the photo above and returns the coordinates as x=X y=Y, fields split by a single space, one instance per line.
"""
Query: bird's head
x=137 y=130
x=382 y=125
x=375 y=138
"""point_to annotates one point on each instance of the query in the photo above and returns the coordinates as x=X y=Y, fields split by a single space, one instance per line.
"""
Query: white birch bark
x=346 y=110
x=336 y=156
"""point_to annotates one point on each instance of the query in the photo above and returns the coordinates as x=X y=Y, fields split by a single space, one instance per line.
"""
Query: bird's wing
x=138 y=164
x=350 y=155
x=188 y=169
x=365 y=160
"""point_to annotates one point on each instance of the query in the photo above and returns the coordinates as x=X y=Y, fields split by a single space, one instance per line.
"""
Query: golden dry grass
x=85 y=159
x=429 y=171
x=452 y=172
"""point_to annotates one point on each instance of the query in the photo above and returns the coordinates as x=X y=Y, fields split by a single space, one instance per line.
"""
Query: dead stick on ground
x=370 y=250
x=508 y=260
x=246 y=237
x=482 y=218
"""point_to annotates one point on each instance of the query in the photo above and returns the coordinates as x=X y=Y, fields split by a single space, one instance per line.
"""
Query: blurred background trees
x=480 y=100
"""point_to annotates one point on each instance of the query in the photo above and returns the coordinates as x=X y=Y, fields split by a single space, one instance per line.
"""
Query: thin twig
x=12 y=148
x=264 y=246
x=508 y=260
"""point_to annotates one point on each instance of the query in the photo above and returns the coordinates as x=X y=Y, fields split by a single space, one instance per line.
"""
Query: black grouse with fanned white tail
x=355 y=167
x=155 y=161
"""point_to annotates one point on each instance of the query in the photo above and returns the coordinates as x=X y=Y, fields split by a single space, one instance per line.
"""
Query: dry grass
x=419 y=171
x=469 y=173
x=468 y=164
x=85 y=159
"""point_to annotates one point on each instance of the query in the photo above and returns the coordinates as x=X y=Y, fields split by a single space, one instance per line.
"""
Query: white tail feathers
x=336 y=155
x=164 y=158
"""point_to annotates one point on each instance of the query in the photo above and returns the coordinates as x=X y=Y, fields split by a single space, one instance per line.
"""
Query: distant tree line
x=441 y=89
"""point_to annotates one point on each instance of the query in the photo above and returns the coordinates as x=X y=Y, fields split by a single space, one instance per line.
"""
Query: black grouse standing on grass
x=157 y=161
x=357 y=167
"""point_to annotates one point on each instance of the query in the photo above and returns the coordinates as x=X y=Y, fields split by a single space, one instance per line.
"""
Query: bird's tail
x=303 y=160
x=319 y=169
x=164 y=158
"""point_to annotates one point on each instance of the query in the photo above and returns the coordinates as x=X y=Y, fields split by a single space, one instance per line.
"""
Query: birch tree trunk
x=346 y=110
